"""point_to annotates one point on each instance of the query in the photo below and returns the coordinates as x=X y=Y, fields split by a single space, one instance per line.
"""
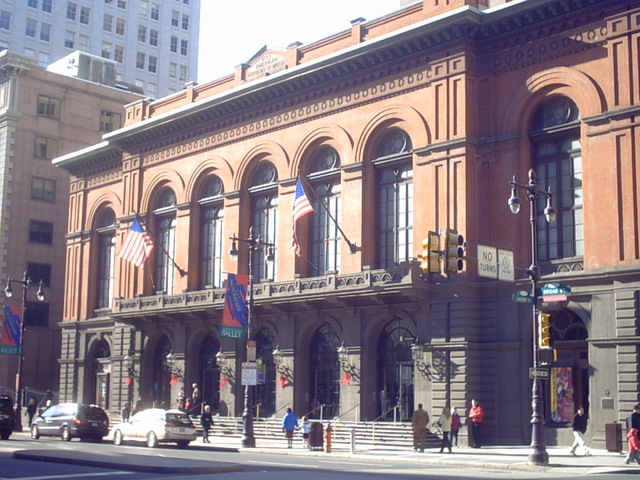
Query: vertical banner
x=234 y=315
x=562 y=395
x=10 y=330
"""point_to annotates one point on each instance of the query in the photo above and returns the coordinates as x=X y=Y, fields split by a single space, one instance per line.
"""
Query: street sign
x=522 y=296
x=505 y=266
x=249 y=373
x=551 y=289
x=538 y=373
x=487 y=262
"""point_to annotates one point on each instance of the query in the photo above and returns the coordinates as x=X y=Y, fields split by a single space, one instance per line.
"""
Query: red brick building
x=411 y=123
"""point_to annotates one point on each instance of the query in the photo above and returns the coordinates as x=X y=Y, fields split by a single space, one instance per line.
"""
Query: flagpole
x=352 y=246
x=164 y=250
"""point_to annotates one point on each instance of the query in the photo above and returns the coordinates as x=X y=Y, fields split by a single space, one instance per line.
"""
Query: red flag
x=129 y=381
x=137 y=245
x=283 y=381
x=174 y=379
x=224 y=381
x=301 y=207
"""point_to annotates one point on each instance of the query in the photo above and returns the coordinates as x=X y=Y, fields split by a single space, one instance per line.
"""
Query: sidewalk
x=491 y=457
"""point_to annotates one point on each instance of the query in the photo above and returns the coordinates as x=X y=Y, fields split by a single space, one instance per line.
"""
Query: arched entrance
x=266 y=388
x=210 y=373
x=569 y=375
x=162 y=374
x=395 y=371
x=102 y=370
x=324 y=373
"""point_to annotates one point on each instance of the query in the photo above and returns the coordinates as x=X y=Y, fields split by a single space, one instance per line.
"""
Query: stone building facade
x=42 y=116
x=411 y=123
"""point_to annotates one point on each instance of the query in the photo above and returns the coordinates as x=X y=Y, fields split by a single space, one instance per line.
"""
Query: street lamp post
x=538 y=455
x=254 y=243
x=26 y=284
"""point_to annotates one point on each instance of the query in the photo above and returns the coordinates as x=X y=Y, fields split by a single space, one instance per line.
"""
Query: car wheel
x=117 y=438
x=5 y=434
x=65 y=434
x=183 y=444
x=35 y=433
x=152 y=440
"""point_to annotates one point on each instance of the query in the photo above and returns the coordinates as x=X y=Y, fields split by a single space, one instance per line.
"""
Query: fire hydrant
x=327 y=438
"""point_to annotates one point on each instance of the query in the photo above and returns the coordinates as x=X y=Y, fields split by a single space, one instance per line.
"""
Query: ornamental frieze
x=327 y=106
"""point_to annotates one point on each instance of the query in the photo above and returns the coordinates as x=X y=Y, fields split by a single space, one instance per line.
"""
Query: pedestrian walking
x=32 y=407
x=633 y=446
x=180 y=399
x=476 y=416
x=633 y=420
x=419 y=422
x=289 y=424
x=206 y=420
x=455 y=427
x=579 y=426
x=445 y=425
x=195 y=396
x=125 y=413
x=305 y=428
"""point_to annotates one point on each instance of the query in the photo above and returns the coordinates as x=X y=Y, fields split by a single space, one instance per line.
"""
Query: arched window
x=325 y=236
x=165 y=215
x=324 y=378
x=557 y=160
x=264 y=214
x=211 y=233
x=395 y=370
x=394 y=180
x=106 y=258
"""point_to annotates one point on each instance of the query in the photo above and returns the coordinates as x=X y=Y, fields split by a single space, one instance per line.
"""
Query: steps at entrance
x=389 y=434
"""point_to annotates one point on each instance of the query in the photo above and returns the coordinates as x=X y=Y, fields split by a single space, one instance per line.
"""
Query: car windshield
x=6 y=404
x=178 y=420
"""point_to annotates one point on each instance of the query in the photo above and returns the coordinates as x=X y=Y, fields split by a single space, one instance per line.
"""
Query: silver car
x=154 y=426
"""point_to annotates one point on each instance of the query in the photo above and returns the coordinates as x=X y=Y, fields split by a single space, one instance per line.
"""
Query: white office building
x=154 y=43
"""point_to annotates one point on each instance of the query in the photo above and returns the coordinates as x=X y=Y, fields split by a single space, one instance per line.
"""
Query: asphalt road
x=254 y=465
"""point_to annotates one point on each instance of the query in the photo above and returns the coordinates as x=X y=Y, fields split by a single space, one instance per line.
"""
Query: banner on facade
x=10 y=330
x=234 y=315
x=562 y=407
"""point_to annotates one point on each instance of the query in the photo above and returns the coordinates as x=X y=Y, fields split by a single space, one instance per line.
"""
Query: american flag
x=137 y=245
x=301 y=206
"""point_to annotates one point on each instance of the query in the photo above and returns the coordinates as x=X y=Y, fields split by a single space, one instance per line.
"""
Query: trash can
x=315 y=436
x=613 y=437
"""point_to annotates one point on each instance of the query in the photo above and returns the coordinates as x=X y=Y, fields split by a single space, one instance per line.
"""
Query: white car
x=154 y=426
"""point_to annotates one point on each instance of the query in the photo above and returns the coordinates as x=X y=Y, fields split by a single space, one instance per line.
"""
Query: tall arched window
x=165 y=214
x=324 y=375
x=394 y=178
x=557 y=160
x=395 y=370
x=211 y=233
x=264 y=215
x=325 y=236
x=106 y=258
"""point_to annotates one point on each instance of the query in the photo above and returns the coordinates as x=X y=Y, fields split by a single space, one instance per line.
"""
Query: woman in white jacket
x=445 y=425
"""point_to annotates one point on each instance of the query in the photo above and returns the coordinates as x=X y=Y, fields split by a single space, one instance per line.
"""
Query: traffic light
x=544 y=330
x=454 y=251
x=431 y=254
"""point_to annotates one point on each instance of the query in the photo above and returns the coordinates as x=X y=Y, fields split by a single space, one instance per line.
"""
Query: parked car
x=154 y=426
x=7 y=417
x=71 y=420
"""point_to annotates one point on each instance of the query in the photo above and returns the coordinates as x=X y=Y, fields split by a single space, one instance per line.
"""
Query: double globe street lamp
x=254 y=244
x=538 y=455
x=8 y=292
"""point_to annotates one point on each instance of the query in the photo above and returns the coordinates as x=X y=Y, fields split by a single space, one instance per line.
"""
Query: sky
x=232 y=31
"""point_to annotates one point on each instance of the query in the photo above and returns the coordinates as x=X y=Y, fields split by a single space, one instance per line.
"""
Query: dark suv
x=71 y=420
x=7 y=417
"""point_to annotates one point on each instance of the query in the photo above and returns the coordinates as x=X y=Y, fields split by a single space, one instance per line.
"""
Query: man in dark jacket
x=579 y=428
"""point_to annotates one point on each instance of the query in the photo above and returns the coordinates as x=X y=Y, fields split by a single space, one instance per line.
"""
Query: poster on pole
x=234 y=315
x=249 y=373
x=10 y=330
